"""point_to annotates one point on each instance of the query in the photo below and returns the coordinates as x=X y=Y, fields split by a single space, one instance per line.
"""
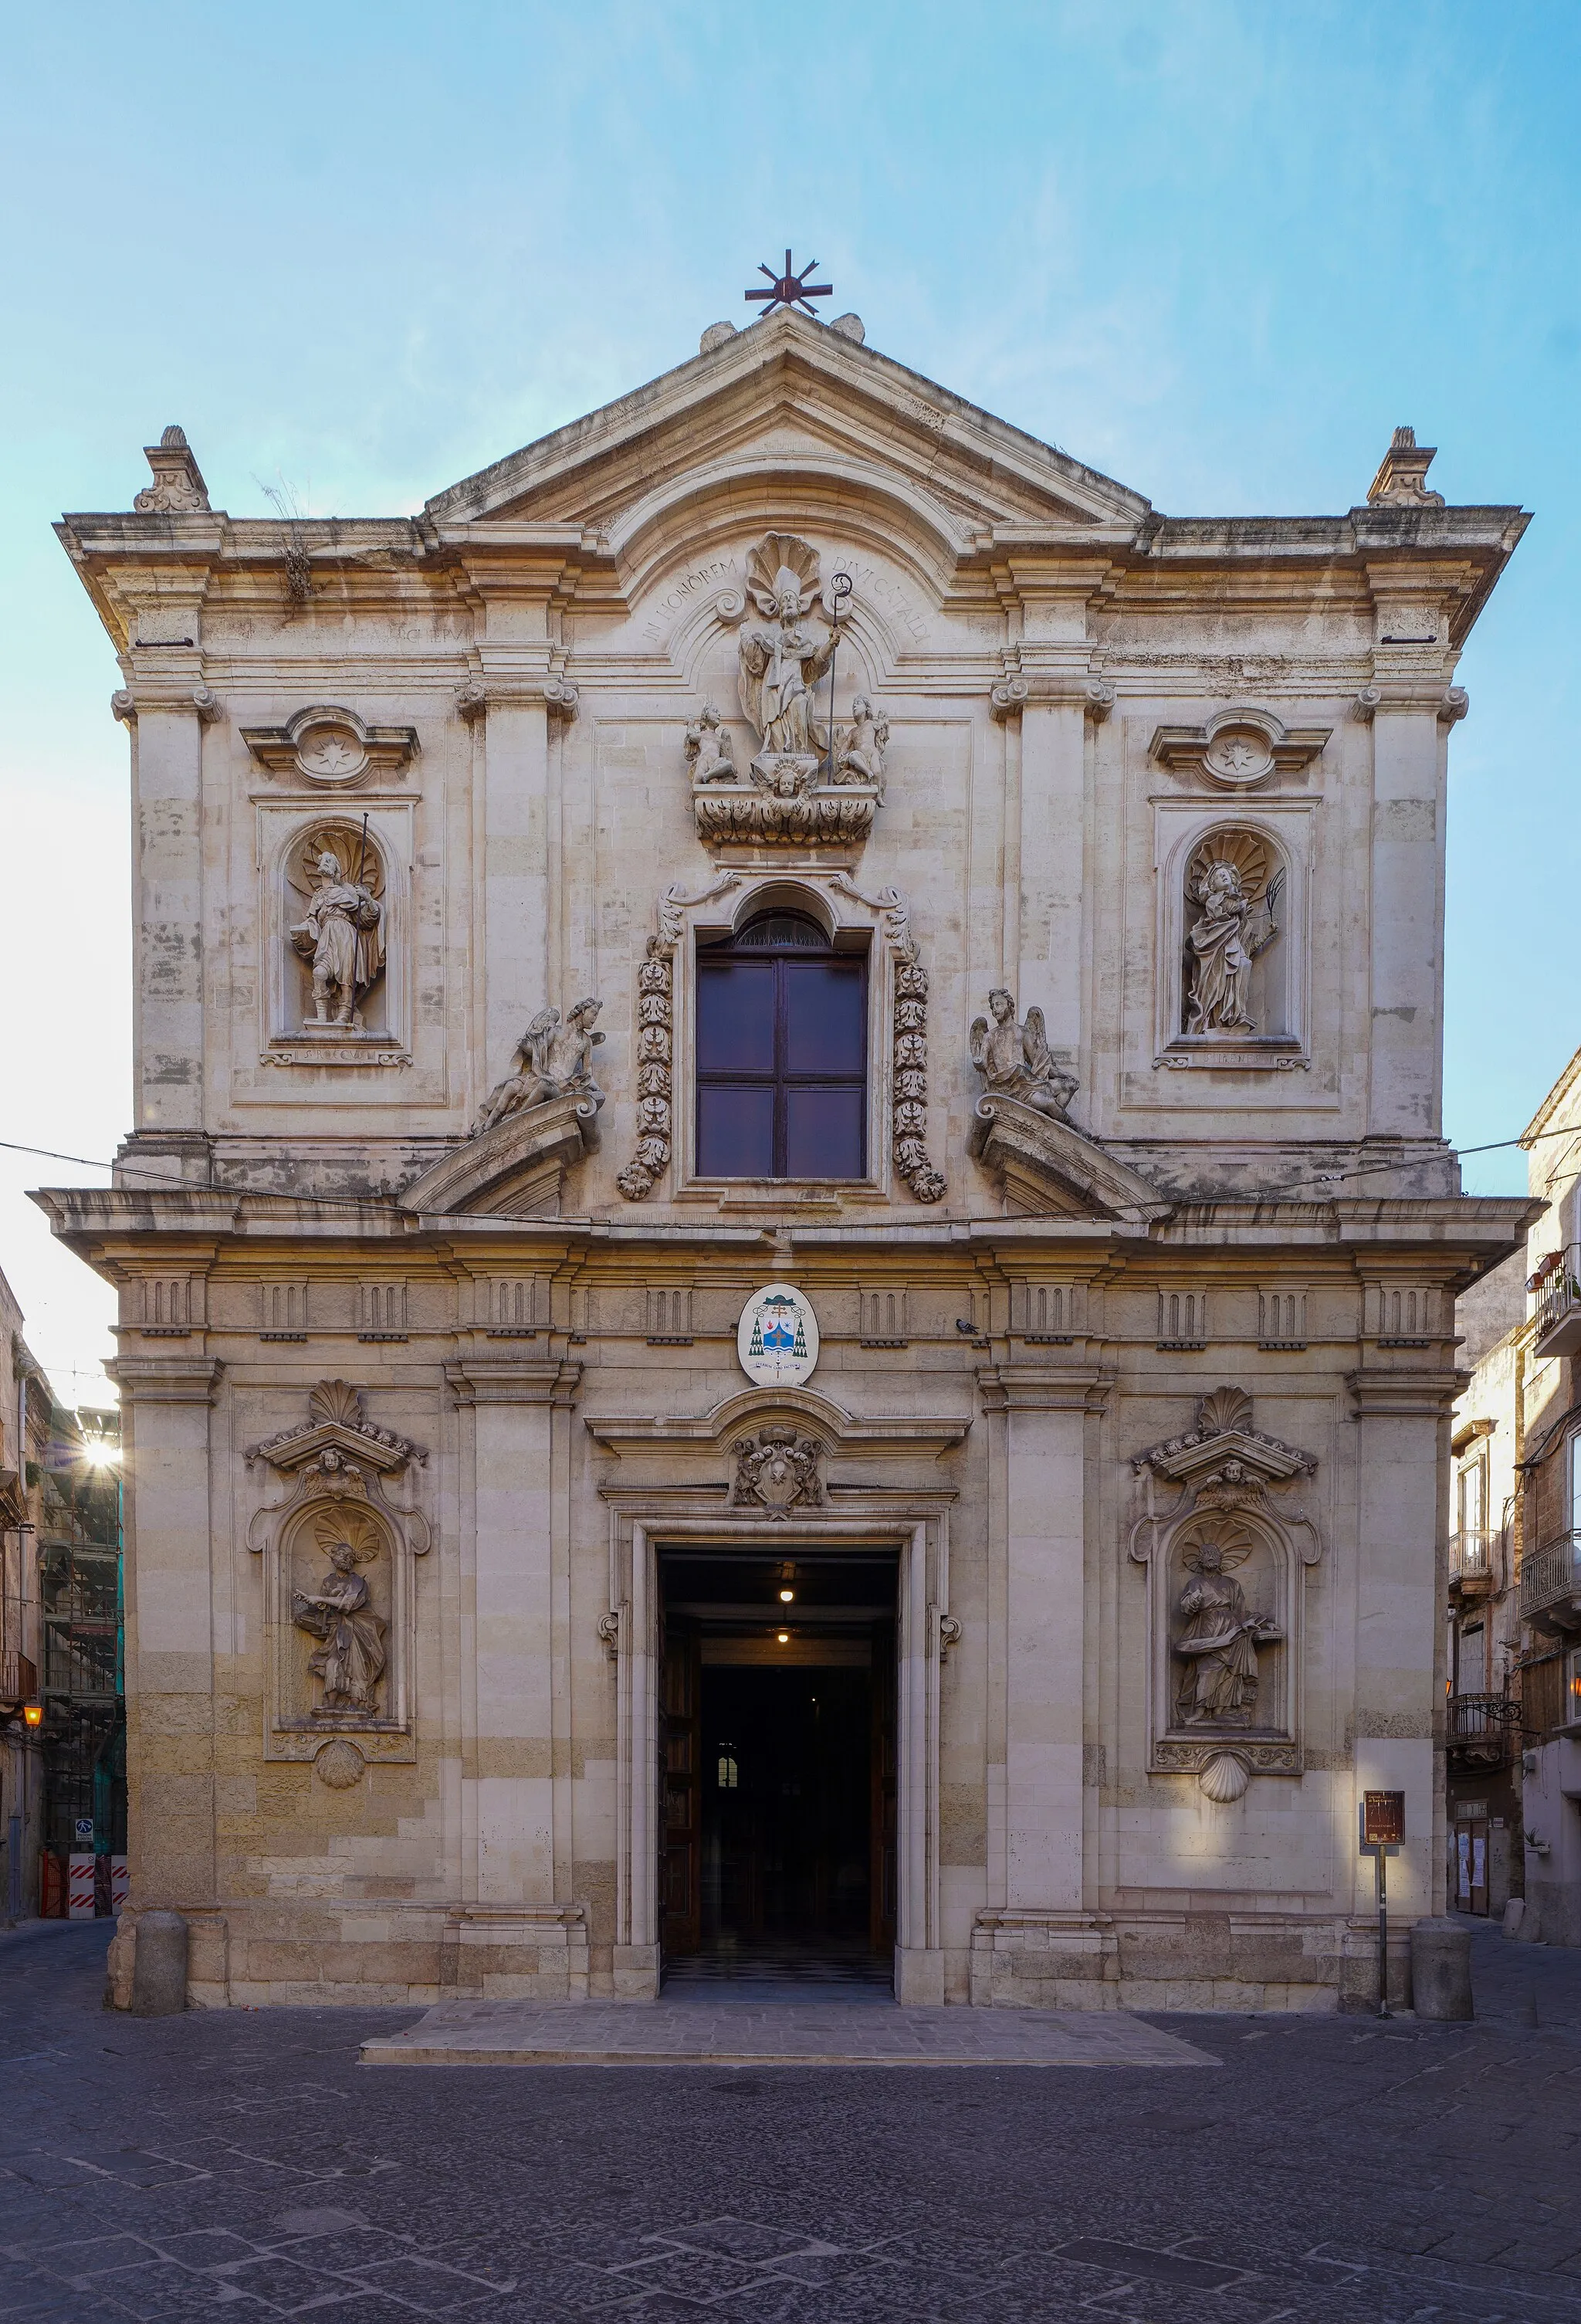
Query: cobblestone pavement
x=241 y=2165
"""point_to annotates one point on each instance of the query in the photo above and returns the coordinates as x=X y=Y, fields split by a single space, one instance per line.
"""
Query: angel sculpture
x=1233 y=929
x=552 y=1060
x=350 y=1658
x=1218 y=1644
x=782 y=660
x=709 y=754
x=862 y=745
x=341 y=936
x=1015 y=1059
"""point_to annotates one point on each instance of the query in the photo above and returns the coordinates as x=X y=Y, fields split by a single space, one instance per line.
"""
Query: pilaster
x=169 y=1587
x=517 y=1696
x=1041 y=1649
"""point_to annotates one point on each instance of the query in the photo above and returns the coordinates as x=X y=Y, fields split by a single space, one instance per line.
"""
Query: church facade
x=787 y=1266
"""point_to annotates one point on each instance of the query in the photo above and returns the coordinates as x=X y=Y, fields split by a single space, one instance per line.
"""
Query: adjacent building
x=1515 y=1565
x=24 y=1427
x=787 y=1271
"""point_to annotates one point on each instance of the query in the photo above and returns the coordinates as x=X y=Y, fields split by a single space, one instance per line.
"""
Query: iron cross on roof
x=791 y=289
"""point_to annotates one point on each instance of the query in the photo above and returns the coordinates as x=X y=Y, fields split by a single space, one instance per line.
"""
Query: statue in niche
x=341 y=935
x=1015 y=1060
x=552 y=1060
x=1218 y=1643
x=350 y=1660
x=1228 y=878
x=782 y=660
x=860 y=747
x=709 y=753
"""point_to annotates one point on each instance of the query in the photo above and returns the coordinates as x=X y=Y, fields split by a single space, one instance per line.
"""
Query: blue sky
x=1218 y=250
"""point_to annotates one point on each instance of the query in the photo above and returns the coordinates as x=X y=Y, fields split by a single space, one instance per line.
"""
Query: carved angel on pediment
x=1016 y=1061
x=552 y=1060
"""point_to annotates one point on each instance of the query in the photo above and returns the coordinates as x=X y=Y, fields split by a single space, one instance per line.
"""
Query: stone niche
x=339 y=1589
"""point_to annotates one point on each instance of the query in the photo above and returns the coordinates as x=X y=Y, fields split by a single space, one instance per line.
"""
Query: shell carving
x=781 y=553
x=1242 y=849
x=1225 y=1777
x=336 y=1401
x=1225 y=1411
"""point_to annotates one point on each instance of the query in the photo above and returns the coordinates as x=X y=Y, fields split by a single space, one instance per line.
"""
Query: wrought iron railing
x=1551 y=1573
x=19 y=1681
x=1481 y=1718
x=1556 y=1285
x=1473 y=1553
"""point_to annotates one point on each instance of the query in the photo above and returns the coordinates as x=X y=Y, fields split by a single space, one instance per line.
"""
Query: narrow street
x=1329 y=2169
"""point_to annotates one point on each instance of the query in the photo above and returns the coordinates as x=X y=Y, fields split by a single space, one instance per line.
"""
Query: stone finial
x=1401 y=478
x=717 y=335
x=850 y=327
x=177 y=488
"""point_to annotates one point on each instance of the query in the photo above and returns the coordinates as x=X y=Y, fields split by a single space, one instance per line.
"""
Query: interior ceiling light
x=785 y=1638
x=785 y=1597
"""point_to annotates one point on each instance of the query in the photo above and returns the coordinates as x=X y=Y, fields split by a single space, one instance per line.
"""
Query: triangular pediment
x=1050 y=1168
x=785 y=400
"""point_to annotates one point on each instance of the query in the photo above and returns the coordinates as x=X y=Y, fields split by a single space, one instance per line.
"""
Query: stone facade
x=1136 y=1334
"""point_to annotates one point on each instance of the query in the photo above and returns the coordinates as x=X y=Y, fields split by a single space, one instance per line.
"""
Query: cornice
x=898 y=1435
x=1045 y=1386
x=476 y=1379
x=1406 y=1394
x=166 y=1379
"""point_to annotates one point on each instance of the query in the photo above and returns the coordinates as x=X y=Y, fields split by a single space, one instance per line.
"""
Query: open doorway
x=777 y=1745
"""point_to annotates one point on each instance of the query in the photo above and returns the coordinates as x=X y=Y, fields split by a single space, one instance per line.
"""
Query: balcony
x=1551 y=1585
x=1473 y=1561
x=19 y=1682
x=1558 y=1288
x=1482 y=1728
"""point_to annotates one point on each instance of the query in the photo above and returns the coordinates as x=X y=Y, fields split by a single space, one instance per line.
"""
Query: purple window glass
x=782 y=1037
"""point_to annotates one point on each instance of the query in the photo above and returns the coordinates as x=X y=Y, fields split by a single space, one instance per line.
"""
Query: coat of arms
x=778 y=1337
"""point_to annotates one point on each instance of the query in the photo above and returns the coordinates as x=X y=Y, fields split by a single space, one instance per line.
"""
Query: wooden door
x=681 y=1816
x=881 y=1875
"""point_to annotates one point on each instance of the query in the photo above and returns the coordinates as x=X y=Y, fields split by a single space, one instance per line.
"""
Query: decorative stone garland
x=656 y=1012
x=909 y=1111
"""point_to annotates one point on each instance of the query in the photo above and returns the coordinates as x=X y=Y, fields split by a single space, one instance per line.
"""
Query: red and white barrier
x=120 y=1881
x=80 y=1895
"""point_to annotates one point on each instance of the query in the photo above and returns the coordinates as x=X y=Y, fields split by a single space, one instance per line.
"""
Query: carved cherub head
x=583 y=1015
x=1003 y=1004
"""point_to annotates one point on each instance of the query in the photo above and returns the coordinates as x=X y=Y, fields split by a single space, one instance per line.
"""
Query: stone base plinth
x=1032 y=1960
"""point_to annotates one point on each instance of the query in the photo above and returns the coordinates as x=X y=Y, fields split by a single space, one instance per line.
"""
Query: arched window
x=781 y=1042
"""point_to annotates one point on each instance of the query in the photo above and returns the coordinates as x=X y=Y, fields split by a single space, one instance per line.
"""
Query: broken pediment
x=1048 y=1167
x=514 y=1170
x=1224 y=1434
x=337 y=1433
x=794 y=410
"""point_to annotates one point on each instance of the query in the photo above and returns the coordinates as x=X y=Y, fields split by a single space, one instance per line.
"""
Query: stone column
x=519 y=1657
x=1042 y=1648
x=166 y=707
x=1410 y=708
x=518 y=689
x=169 y=1529
x=1401 y=1482
x=1056 y=690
